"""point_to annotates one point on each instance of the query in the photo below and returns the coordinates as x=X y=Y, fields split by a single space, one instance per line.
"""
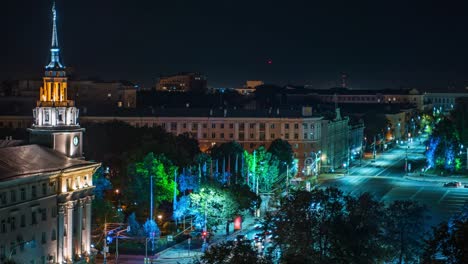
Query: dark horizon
x=377 y=45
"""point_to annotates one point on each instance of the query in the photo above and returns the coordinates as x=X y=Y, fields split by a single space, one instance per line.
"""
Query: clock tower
x=55 y=117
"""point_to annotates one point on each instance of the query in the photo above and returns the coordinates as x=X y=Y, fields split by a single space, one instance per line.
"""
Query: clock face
x=75 y=141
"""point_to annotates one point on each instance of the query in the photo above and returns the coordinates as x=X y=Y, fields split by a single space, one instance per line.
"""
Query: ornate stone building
x=46 y=187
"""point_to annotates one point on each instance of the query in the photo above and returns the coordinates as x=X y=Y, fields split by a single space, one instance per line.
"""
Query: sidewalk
x=180 y=253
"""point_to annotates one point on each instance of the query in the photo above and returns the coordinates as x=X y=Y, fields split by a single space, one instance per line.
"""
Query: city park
x=156 y=189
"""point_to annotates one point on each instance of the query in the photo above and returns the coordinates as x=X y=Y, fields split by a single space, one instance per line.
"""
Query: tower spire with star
x=54 y=63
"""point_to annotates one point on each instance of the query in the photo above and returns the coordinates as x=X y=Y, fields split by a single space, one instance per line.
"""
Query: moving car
x=453 y=184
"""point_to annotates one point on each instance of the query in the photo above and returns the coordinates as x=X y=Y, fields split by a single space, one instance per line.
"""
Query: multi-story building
x=443 y=101
x=46 y=188
x=182 y=82
x=348 y=96
x=334 y=143
x=251 y=128
x=84 y=92
x=45 y=205
x=356 y=139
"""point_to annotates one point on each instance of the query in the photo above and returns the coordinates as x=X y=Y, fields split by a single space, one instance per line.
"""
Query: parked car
x=453 y=184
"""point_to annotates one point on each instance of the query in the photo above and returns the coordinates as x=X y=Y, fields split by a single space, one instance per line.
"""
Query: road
x=384 y=179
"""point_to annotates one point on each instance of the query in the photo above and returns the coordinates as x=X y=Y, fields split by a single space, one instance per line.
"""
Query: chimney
x=225 y=112
x=211 y=112
x=277 y=111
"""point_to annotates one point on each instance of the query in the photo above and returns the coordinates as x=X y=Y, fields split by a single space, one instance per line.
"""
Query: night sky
x=379 y=44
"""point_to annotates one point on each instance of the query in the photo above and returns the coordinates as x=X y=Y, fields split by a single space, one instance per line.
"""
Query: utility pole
x=373 y=151
x=287 y=178
x=104 y=249
x=348 y=161
x=151 y=196
x=254 y=174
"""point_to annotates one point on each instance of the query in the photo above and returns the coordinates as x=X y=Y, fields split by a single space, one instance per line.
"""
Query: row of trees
x=326 y=226
x=449 y=139
x=185 y=181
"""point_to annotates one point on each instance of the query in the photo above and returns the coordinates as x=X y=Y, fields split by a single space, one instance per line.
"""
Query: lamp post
x=29 y=242
x=146 y=249
x=287 y=178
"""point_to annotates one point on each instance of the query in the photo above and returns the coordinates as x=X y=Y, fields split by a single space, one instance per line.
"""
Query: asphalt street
x=384 y=179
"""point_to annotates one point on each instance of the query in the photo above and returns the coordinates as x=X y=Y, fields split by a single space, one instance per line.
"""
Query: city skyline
x=400 y=45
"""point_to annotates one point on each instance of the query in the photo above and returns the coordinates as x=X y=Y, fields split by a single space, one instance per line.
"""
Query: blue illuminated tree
x=135 y=227
x=431 y=151
x=182 y=207
x=151 y=228
x=187 y=181
x=449 y=157
x=101 y=183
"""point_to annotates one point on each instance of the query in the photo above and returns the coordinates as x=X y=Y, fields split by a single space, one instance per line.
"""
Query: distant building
x=182 y=82
x=442 y=101
x=356 y=139
x=114 y=93
x=385 y=96
x=334 y=144
x=46 y=188
x=85 y=92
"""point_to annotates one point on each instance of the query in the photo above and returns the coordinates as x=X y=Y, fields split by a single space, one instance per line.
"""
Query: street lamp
x=29 y=242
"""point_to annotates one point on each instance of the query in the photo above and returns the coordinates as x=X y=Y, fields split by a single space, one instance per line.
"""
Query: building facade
x=182 y=82
x=334 y=144
x=443 y=102
x=250 y=128
x=46 y=188
x=45 y=206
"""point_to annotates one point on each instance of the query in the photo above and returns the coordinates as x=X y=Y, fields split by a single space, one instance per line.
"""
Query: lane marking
x=416 y=193
x=443 y=196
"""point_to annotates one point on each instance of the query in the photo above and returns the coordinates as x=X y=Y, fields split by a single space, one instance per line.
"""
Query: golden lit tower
x=55 y=117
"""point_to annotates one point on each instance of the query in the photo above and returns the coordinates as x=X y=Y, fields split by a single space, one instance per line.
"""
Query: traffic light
x=204 y=234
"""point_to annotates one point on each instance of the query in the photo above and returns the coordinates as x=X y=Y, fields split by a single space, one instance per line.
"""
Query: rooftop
x=25 y=161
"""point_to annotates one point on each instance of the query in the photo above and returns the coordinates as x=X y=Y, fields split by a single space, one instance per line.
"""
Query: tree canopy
x=326 y=226
x=140 y=172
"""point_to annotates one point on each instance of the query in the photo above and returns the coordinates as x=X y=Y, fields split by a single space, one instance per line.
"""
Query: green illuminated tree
x=162 y=171
x=219 y=206
x=262 y=166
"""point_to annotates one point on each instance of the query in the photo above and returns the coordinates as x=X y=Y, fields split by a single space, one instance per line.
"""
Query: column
x=79 y=228
x=87 y=230
x=60 y=233
x=69 y=248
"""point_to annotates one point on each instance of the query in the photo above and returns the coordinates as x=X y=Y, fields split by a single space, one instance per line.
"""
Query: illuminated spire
x=54 y=63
